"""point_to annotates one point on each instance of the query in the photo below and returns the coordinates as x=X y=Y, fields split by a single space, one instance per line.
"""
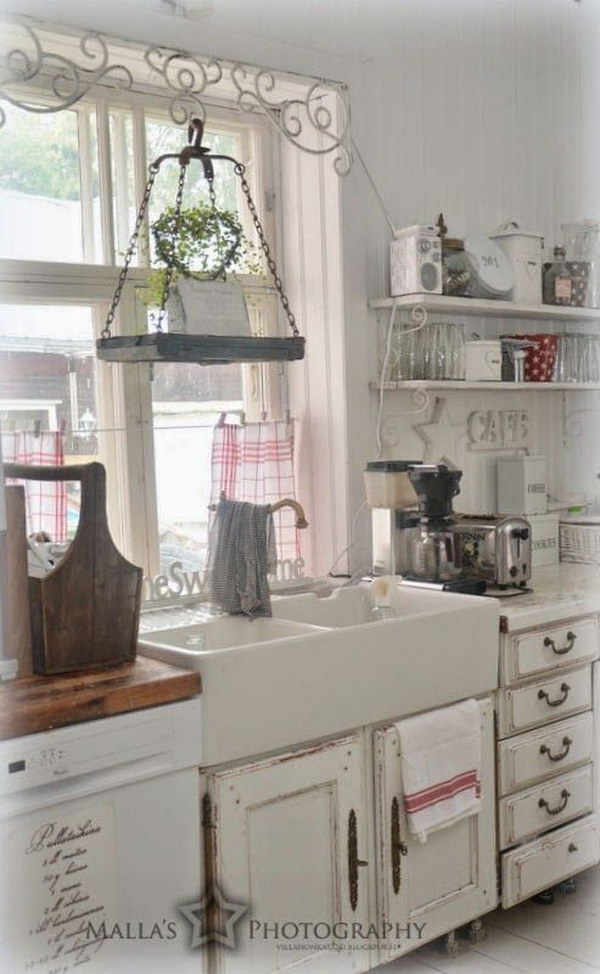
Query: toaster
x=496 y=548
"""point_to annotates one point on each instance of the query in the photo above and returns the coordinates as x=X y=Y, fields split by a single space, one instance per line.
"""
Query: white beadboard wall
x=486 y=109
x=494 y=119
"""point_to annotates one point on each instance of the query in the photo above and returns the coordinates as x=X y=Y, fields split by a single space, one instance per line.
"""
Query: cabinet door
x=288 y=840
x=425 y=889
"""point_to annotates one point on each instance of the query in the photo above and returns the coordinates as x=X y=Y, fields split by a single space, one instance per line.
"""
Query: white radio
x=416 y=261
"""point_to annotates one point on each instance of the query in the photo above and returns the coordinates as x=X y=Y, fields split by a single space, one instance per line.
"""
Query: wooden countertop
x=41 y=703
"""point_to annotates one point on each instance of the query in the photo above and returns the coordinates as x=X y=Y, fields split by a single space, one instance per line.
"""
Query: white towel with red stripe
x=440 y=754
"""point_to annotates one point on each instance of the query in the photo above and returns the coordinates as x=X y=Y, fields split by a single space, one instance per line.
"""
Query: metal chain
x=153 y=169
x=213 y=205
x=239 y=170
x=133 y=242
x=170 y=268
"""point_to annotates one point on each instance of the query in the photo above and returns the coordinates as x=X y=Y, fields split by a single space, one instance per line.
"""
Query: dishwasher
x=100 y=845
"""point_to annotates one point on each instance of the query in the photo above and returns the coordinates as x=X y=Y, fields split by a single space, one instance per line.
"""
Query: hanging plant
x=208 y=243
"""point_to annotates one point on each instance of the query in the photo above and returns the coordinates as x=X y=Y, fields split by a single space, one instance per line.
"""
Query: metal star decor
x=204 y=930
x=435 y=433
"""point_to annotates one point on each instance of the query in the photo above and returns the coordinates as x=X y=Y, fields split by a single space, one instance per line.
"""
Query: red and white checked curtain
x=255 y=463
x=46 y=502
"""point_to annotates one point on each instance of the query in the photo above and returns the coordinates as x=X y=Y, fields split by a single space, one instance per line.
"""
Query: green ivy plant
x=208 y=243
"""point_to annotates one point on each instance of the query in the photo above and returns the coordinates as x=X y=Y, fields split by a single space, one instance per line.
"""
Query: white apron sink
x=350 y=606
x=223 y=632
x=323 y=666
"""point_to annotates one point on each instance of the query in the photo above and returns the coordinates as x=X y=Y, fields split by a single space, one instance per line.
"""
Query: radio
x=416 y=261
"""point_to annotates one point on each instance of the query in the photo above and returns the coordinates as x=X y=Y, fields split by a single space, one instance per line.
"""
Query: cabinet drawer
x=545 y=700
x=540 y=864
x=528 y=653
x=545 y=806
x=536 y=755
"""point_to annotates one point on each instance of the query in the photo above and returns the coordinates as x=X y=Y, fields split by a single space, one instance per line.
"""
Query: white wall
x=487 y=109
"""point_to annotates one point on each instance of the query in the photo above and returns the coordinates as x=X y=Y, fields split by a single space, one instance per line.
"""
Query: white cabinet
x=537 y=865
x=288 y=838
x=541 y=650
x=546 y=756
x=446 y=881
x=314 y=842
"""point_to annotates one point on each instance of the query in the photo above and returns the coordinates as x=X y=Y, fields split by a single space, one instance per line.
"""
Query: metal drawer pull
x=565 y=690
x=572 y=847
x=565 y=795
x=353 y=861
x=571 y=637
x=557 y=757
x=399 y=848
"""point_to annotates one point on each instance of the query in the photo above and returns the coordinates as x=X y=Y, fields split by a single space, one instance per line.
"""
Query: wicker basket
x=580 y=541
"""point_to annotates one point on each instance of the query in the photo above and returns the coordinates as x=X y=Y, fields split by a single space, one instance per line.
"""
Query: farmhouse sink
x=351 y=606
x=321 y=667
x=222 y=632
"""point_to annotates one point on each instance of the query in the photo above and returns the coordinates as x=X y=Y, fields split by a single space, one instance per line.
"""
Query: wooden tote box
x=85 y=611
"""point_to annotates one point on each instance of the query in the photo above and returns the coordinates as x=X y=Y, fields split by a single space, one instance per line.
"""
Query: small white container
x=544 y=539
x=388 y=485
x=524 y=249
x=416 y=261
x=492 y=276
x=522 y=487
x=483 y=361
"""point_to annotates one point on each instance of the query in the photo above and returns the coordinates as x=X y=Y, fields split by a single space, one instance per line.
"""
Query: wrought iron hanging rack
x=161 y=346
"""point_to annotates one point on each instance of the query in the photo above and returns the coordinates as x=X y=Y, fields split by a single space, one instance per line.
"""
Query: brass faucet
x=301 y=521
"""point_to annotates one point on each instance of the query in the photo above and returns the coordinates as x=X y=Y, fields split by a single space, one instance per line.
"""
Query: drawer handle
x=399 y=848
x=557 y=757
x=571 y=637
x=565 y=690
x=572 y=847
x=565 y=795
x=353 y=861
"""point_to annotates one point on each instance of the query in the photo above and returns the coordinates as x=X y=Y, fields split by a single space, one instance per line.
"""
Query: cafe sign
x=498 y=429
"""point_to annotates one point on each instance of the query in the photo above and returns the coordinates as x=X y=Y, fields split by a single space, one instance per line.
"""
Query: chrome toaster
x=497 y=549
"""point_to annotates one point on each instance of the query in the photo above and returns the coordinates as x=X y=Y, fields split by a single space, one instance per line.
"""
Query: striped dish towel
x=440 y=754
x=255 y=463
x=241 y=553
x=46 y=500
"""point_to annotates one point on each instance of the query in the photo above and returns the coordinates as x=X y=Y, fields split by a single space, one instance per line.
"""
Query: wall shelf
x=441 y=303
x=465 y=386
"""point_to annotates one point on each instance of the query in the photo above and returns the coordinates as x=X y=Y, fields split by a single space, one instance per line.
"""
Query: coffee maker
x=413 y=524
x=411 y=513
x=431 y=542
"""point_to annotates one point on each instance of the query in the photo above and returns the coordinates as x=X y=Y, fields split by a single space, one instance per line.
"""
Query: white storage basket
x=580 y=541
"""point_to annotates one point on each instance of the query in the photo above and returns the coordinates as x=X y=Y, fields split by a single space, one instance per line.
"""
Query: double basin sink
x=321 y=666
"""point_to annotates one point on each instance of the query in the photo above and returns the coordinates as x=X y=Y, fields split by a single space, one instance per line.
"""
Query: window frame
x=124 y=392
x=313 y=198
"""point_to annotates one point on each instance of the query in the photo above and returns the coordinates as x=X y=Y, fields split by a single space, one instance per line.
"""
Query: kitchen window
x=70 y=183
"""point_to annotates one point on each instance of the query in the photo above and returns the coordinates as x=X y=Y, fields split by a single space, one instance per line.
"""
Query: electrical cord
x=351 y=543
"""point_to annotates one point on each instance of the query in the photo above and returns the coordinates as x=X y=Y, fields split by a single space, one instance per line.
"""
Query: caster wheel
x=476 y=931
x=450 y=944
x=546 y=898
x=568 y=886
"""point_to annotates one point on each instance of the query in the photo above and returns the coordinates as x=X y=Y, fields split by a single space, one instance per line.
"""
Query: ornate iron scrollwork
x=316 y=120
x=67 y=81
x=308 y=122
x=188 y=77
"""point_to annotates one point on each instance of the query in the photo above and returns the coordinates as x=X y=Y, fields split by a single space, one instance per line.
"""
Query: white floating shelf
x=441 y=303
x=464 y=386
